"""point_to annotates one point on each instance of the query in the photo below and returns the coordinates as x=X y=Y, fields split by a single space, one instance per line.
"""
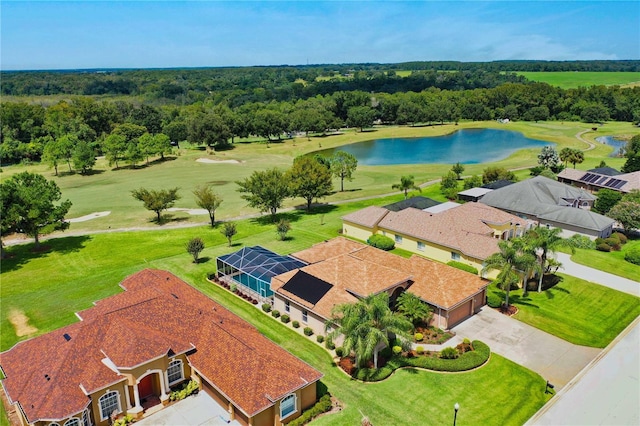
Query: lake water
x=467 y=146
x=617 y=144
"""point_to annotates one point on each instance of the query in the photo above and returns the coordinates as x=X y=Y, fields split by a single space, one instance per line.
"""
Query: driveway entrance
x=194 y=410
x=554 y=359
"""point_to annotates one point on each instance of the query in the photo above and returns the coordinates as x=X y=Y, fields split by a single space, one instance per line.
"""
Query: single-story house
x=342 y=271
x=129 y=350
x=466 y=233
x=594 y=181
x=551 y=203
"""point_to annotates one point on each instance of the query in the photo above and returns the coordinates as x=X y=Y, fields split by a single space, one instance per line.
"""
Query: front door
x=145 y=387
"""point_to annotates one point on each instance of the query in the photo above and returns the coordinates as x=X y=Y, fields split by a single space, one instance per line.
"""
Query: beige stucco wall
x=314 y=321
x=357 y=231
x=95 y=405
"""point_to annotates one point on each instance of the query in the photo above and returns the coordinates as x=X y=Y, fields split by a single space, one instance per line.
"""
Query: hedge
x=493 y=300
x=466 y=361
x=381 y=241
x=463 y=266
x=322 y=406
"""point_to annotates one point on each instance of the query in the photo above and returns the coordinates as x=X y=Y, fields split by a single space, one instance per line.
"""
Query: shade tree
x=265 y=190
x=208 y=199
x=343 y=165
x=156 y=200
x=406 y=184
x=309 y=179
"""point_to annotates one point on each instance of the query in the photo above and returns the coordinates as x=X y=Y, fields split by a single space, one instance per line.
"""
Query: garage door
x=460 y=313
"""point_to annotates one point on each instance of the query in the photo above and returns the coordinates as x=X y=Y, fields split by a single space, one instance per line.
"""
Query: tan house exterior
x=468 y=233
x=129 y=350
x=342 y=271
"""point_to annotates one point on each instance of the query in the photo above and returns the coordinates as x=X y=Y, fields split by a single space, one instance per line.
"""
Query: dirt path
x=580 y=138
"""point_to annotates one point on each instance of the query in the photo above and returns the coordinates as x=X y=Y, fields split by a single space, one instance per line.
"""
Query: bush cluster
x=449 y=353
x=467 y=361
x=187 y=389
x=614 y=242
x=124 y=420
x=266 y=307
x=582 y=242
x=381 y=241
x=463 y=267
x=322 y=406
x=633 y=256
x=308 y=331
x=603 y=247
x=285 y=318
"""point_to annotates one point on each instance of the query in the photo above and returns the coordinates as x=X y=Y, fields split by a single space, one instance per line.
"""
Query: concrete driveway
x=194 y=410
x=596 y=276
x=554 y=359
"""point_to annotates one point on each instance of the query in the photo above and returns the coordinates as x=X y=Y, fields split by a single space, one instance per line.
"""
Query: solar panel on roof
x=307 y=287
x=595 y=178
x=620 y=184
x=610 y=182
x=590 y=177
x=602 y=179
x=586 y=175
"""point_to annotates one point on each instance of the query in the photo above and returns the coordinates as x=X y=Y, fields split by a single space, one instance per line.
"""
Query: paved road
x=606 y=392
x=554 y=359
x=599 y=277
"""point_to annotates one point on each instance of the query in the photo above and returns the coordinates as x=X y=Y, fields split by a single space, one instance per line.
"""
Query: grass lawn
x=573 y=79
x=110 y=190
x=577 y=311
x=612 y=262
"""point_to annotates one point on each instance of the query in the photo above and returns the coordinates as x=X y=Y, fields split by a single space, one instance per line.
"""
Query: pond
x=617 y=144
x=467 y=146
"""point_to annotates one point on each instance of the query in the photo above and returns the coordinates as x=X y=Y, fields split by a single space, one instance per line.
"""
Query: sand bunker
x=87 y=217
x=20 y=322
x=210 y=161
x=193 y=212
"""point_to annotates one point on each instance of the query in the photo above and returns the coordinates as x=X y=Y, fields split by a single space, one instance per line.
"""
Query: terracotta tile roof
x=368 y=270
x=464 y=228
x=164 y=314
x=327 y=249
x=369 y=216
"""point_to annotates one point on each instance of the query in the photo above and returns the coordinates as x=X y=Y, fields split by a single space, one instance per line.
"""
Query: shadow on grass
x=203 y=259
x=293 y=216
x=19 y=255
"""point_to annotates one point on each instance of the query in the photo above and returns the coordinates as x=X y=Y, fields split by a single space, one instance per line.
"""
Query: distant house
x=418 y=202
x=129 y=350
x=466 y=233
x=594 y=181
x=342 y=271
x=473 y=194
x=497 y=184
x=551 y=203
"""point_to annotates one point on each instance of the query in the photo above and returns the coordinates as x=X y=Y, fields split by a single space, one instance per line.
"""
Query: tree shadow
x=203 y=259
x=92 y=172
x=19 y=255
x=167 y=218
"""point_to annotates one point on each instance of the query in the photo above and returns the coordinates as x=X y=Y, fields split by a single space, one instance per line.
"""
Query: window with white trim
x=72 y=422
x=175 y=372
x=86 y=418
x=420 y=246
x=455 y=256
x=109 y=403
x=54 y=424
x=287 y=306
x=287 y=406
x=398 y=239
x=305 y=315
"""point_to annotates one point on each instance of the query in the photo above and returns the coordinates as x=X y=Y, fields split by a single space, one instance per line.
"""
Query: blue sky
x=110 y=34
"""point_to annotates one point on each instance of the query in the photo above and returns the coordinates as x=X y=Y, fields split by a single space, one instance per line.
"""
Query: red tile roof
x=158 y=313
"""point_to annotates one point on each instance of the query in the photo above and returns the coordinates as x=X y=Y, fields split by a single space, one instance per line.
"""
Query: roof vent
x=174 y=295
x=46 y=376
x=66 y=337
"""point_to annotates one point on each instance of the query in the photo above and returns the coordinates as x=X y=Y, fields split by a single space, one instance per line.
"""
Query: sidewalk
x=597 y=276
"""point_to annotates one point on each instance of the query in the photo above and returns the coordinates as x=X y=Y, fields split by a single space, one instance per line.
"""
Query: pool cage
x=252 y=268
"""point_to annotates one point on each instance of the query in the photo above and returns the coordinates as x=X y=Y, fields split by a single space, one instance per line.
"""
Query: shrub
x=466 y=341
x=275 y=313
x=463 y=266
x=330 y=345
x=418 y=337
x=320 y=338
x=233 y=287
x=295 y=324
x=381 y=241
x=603 y=247
x=493 y=300
x=308 y=331
x=583 y=242
x=285 y=318
x=420 y=350
x=397 y=350
x=599 y=241
x=322 y=406
x=340 y=351
x=266 y=307
x=613 y=242
x=620 y=236
x=123 y=421
x=633 y=255
x=449 y=353
x=186 y=389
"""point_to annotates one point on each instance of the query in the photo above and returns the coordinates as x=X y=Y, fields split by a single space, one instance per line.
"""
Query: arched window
x=175 y=371
x=287 y=406
x=109 y=403
x=72 y=422
x=54 y=424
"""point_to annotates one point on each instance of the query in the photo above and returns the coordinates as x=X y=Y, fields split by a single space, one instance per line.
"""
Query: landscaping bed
x=470 y=355
x=431 y=335
x=234 y=289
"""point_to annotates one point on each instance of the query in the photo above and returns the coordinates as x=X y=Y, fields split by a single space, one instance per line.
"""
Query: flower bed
x=432 y=335
x=234 y=289
x=470 y=356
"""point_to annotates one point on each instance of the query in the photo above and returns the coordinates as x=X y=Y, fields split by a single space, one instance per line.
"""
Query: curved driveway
x=597 y=276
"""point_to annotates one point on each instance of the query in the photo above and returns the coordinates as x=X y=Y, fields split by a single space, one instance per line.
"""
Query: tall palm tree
x=527 y=245
x=366 y=326
x=511 y=262
x=547 y=241
x=406 y=183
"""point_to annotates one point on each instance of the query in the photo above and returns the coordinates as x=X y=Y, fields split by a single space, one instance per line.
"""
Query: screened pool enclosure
x=253 y=267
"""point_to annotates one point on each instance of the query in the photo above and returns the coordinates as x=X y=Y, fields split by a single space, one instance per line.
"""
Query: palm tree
x=413 y=308
x=511 y=262
x=366 y=326
x=527 y=245
x=547 y=241
x=406 y=183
